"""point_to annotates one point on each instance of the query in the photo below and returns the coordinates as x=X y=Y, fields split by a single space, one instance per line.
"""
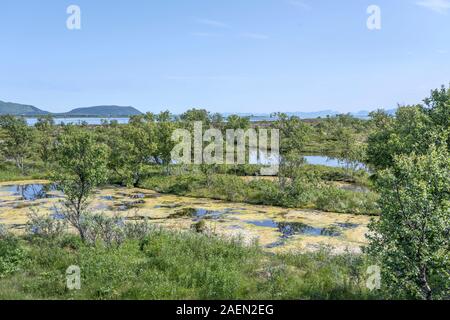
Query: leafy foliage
x=12 y=255
x=45 y=139
x=132 y=147
x=412 y=236
x=81 y=167
x=17 y=140
x=413 y=129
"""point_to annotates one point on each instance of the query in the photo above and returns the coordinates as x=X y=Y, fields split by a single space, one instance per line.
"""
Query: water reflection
x=289 y=229
x=200 y=213
x=31 y=192
x=267 y=158
x=332 y=162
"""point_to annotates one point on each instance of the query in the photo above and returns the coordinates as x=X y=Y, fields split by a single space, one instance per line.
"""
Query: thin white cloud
x=299 y=4
x=212 y=23
x=256 y=36
x=439 y=6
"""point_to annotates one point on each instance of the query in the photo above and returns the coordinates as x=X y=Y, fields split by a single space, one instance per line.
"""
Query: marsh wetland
x=274 y=228
x=111 y=200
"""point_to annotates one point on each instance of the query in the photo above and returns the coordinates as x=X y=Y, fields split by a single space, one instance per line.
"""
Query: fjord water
x=78 y=121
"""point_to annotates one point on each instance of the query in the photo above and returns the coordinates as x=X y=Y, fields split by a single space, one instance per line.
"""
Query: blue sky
x=223 y=55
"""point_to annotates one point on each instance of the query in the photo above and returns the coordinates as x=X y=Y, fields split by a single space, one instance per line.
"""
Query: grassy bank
x=314 y=191
x=305 y=193
x=34 y=171
x=167 y=265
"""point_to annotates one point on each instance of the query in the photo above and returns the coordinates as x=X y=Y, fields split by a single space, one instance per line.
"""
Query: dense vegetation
x=409 y=179
x=139 y=154
x=164 y=265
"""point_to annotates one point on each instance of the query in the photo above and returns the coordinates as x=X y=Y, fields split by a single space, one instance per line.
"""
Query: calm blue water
x=330 y=162
x=268 y=159
x=289 y=229
x=89 y=121
x=30 y=192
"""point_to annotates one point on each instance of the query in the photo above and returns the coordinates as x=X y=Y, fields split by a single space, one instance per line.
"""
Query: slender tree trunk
x=19 y=164
x=424 y=283
x=167 y=168
x=82 y=234
x=137 y=180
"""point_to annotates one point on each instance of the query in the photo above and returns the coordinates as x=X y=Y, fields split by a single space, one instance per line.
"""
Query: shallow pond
x=267 y=158
x=275 y=229
x=331 y=162
x=30 y=192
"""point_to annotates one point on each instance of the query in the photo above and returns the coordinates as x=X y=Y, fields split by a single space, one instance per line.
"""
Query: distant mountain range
x=20 y=109
x=322 y=114
x=118 y=111
x=310 y=115
x=104 y=111
x=98 y=111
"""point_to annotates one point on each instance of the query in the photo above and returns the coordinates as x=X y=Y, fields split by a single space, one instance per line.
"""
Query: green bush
x=264 y=192
x=45 y=226
x=228 y=187
x=12 y=255
x=177 y=184
x=344 y=201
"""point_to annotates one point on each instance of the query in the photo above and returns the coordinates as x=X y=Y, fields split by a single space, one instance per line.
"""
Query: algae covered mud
x=275 y=229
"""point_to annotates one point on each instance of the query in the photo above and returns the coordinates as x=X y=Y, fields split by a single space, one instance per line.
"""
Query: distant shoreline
x=74 y=116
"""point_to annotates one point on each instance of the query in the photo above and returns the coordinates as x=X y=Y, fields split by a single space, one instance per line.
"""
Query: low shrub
x=308 y=190
x=199 y=226
x=12 y=255
x=333 y=199
x=45 y=226
x=101 y=229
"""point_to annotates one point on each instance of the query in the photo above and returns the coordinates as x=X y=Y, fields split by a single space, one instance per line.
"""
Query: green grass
x=327 y=173
x=304 y=194
x=169 y=265
x=9 y=172
x=231 y=187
